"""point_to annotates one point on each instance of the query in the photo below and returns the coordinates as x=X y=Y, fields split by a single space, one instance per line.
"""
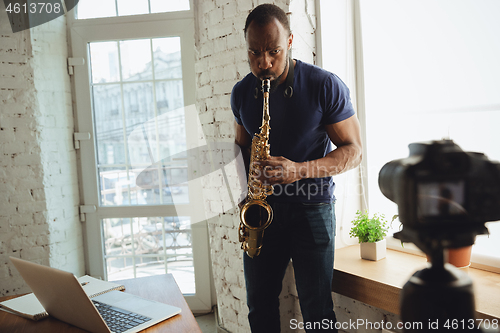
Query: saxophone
x=256 y=214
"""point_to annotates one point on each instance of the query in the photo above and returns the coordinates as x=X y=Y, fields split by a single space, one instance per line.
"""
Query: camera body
x=443 y=194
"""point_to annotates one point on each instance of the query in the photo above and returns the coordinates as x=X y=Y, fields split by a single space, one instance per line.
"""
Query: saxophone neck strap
x=288 y=82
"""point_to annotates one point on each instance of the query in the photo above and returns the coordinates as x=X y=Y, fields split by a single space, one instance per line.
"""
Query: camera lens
x=388 y=179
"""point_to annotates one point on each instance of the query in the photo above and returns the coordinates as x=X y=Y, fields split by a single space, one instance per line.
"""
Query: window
x=133 y=96
x=430 y=71
x=136 y=247
x=136 y=72
x=88 y=9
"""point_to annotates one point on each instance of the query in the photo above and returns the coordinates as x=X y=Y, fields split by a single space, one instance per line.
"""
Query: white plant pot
x=373 y=251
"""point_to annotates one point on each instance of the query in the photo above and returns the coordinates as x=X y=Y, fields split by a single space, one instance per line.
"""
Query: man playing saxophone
x=310 y=109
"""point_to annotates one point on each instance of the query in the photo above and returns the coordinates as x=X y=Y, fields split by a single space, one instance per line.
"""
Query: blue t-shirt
x=297 y=124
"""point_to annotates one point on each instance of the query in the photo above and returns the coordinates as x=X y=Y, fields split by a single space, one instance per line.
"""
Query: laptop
x=63 y=297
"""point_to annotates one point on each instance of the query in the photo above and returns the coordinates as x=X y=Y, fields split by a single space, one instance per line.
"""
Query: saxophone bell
x=255 y=217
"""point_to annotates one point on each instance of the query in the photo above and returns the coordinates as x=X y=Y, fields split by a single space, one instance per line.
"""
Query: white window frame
x=158 y=25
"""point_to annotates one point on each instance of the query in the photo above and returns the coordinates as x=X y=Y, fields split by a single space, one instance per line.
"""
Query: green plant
x=400 y=226
x=368 y=230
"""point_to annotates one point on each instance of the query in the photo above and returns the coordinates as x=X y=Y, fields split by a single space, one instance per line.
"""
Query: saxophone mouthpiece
x=266 y=85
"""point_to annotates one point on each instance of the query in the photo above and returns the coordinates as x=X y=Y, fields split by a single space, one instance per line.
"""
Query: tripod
x=439 y=298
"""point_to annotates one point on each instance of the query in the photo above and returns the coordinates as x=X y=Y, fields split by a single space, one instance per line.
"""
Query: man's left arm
x=345 y=135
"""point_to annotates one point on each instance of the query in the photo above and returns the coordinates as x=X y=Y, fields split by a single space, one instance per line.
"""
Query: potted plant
x=370 y=233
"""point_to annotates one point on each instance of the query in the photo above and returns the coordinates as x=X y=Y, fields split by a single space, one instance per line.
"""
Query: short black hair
x=264 y=14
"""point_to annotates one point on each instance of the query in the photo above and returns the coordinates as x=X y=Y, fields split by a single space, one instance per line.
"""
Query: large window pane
x=119 y=188
x=135 y=58
x=139 y=121
x=169 y=96
x=136 y=7
x=160 y=6
x=87 y=9
x=95 y=8
x=109 y=124
x=431 y=72
x=141 y=246
x=167 y=54
x=104 y=62
x=138 y=104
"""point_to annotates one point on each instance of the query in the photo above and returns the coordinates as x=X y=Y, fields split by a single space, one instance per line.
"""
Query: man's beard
x=275 y=83
x=267 y=74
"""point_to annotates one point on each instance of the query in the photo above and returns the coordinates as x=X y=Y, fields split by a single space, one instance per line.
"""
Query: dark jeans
x=304 y=233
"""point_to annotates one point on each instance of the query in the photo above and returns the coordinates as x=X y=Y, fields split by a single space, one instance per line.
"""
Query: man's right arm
x=243 y=139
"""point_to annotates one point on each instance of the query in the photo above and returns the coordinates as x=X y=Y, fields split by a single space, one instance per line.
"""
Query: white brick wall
x=56 y=128
x=349 y=311
x=303 y=24
x=20 y=161
x=38 y=181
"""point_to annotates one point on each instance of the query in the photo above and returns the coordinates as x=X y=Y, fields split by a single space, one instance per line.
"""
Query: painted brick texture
x=38 y=182
x=52 y=85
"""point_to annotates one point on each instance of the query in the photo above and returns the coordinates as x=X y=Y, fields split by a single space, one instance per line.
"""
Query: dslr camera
x=444 y=195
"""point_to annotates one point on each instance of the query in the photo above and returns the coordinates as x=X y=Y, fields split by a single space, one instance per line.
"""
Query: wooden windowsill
x=378 y=283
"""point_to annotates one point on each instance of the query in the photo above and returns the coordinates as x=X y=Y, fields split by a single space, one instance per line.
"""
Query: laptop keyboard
x=119 y=320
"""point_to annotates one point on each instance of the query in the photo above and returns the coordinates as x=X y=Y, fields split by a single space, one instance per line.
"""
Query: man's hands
x=279 y=170
x=345 y=135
